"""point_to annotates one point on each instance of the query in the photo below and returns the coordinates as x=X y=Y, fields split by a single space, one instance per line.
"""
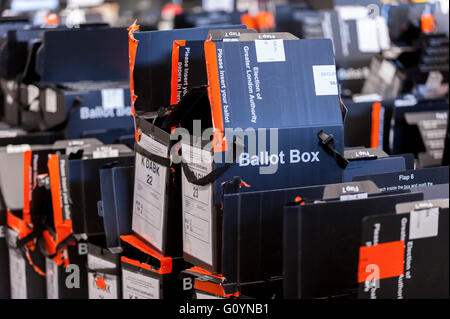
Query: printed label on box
x=367 y=36
x=51 y=102
x=386 y=72
x=33 y=98
x=17 y=274
x=101 y=286
x=197 y=206
x=325 y=80
x=201 y=295
x=424 y=223
x=52 y=279
x=138 y=286
x=105 y=152
x=150 y=192
x=18 y=148
x=270 y=50
x=113 y=98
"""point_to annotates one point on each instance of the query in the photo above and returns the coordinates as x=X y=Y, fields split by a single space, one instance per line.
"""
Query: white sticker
x=113 y=98
x=386 y=71
x=201 y=295
x=367 y=36
x=9 y=99
x=2 y=231
x=383 y=33
x=101 y=286
x=138 y=286
x=18 y=148
x=353 y=196
x=17 y=274
x=325 y=80
x=105 y=152
x=270 y=50
x=214 y=5
x=150 y=193
x=11 y=85
x=33 y=98
x=434 y=81
x=52 y=279
x=424 y=223
x=197 y=206
x=51 y=102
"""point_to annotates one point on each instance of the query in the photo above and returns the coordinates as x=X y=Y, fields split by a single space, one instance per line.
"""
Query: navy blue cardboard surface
x=416 y=242
x=96 y=54
x=87 y=111
x=153 y=64
x=116 y=187
x=263 y=70
x=408 y=179
x=321 y=243
x=79 y=176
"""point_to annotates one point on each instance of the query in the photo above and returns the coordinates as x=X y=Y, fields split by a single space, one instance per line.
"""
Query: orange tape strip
x=375 y=134
x=381 y=261
x=219 y=143
x=175 y=60
x=166 y=262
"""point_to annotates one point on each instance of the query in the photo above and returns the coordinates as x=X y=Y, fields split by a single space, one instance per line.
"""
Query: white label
x=150 y=192
x=9 y=99
x=11 y=85
x=17 y=274
x=383 y=33
x=214 y=5
x=52 y=279
x=201 y=295
x=386 y=72
x=353 y=196
x=325 y=80
x=113 y=98
x=424 y=223
x=101 y=286
x=18 y=148
x=138 y=286
x=51 y=102
x=33 y=98
x=6 y=133
x=367 y=36
x=434 y=81
x=270 y=50
x=2 y=231
x=197 y=206
x=104 y=152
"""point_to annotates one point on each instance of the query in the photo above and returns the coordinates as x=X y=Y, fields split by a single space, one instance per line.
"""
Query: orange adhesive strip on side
x=375 y=133
x=174 y=76
x=166 y=262
x=27 y=155
x=63 y=227
x=212 y=70
x=387 y=259
x=132 y=49
x=17 y=224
